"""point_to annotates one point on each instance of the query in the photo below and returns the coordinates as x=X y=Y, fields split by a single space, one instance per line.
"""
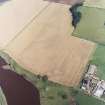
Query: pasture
x=91 y=25
x=99 y=60
x=95 y=3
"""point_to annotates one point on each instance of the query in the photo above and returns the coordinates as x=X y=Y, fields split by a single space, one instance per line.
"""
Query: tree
x=45 y=78
x=76 y=15
x=62 y=94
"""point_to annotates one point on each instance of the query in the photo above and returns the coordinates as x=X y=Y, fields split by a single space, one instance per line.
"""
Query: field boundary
x=75 y=35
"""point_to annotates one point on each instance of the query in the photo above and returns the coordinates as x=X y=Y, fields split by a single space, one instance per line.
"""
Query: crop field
x=66 y=67
x=17 y=18
x=62 y=66
x=91 y=25
x=95 y=3
x=46 y=47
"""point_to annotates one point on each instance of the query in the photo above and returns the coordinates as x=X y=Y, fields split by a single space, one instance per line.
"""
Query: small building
x=90 y=78
x=100 y=88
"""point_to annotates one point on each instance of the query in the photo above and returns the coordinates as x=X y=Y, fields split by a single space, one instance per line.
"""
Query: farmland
x=44 y=50
x=99 y=60
x=39 y=40
x=65 y=64
x=17 y=18
x=91 y=25
x=52 y=93
x=84 y=99
x=95 y=3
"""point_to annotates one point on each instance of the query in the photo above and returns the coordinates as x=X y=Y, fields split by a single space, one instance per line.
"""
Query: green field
x=91 y=25
x=52 y=93
x=83 y=99
x=99 y=60
x=95 y=3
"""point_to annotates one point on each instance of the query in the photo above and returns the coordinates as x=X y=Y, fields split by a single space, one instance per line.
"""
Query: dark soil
x=17 y=90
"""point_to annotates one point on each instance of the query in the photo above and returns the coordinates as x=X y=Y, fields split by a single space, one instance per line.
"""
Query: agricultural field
x=18 y=18
x=52 y=93
x=99 y=60
x=84 y=99
x=65 y=64
x=44 y=50
x=91 y=25
x=95 y=3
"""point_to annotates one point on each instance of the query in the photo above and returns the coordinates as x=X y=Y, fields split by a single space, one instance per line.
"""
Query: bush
x=62 y=94
x=50 y=97
x=39 y=77
x=74 y=92
x=76 y=18
x=45 y=78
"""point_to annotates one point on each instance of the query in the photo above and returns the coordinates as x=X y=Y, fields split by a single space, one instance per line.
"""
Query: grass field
x=95 y=3
x=99 y=60
x=91 y=25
